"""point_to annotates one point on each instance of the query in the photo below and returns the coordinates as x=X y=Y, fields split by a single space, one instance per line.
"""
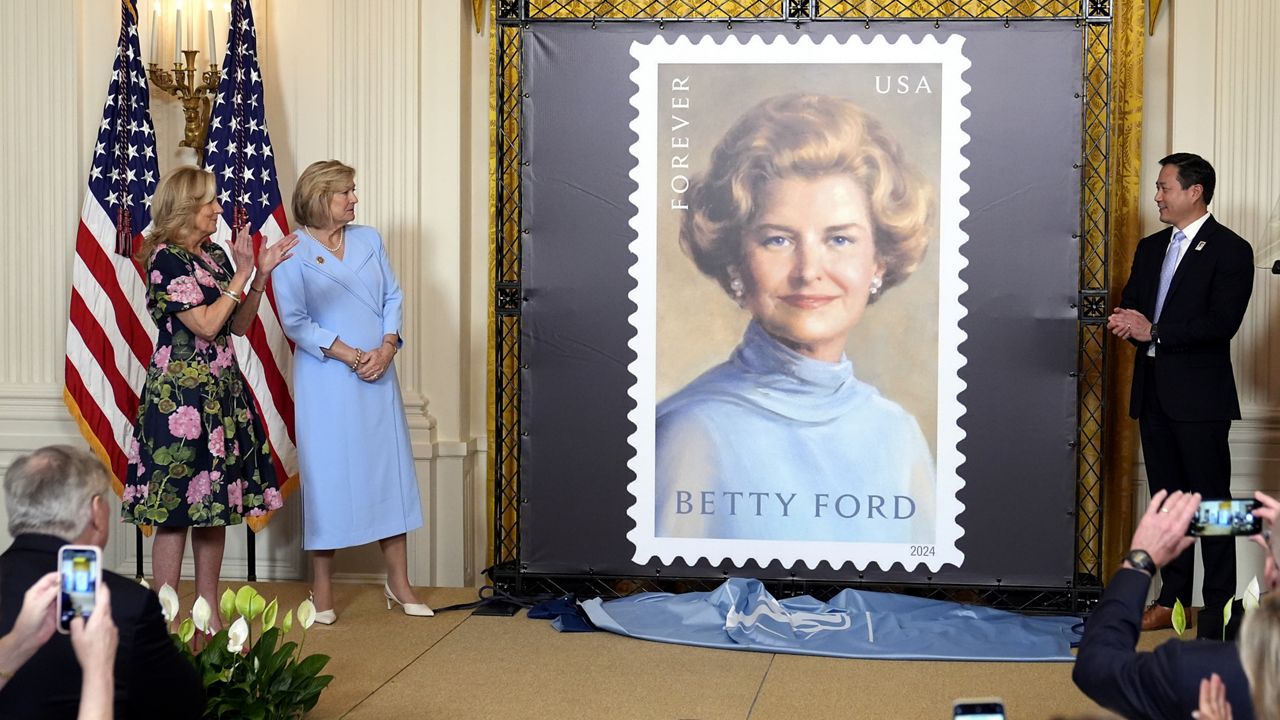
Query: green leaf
x=287 y=625
x=1226 y=616
x=1179 y=618
x=313 y=664
x=269 y=615
x=1250 y=598
x=268 y=681
x=244 y=599
x=227 y=603
x=187 y=630
x=256 y=605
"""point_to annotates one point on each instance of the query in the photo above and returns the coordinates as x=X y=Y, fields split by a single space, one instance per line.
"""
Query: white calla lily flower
x=237 y=635
x=168 y=603
x=200 y=614
x=306 y=614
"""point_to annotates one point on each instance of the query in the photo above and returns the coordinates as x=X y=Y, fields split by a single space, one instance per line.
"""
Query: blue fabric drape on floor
x=742 y=615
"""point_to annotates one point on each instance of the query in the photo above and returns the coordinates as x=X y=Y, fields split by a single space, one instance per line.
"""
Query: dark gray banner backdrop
x=1020 y=347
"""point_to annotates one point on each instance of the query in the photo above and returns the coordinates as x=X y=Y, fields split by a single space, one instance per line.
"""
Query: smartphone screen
x=979 y=709
x=79 y=572
x=1226 y=517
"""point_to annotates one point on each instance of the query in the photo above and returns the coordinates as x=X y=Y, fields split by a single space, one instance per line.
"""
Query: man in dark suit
x=1184 y=301
x=58 y=495
x=1167 y=682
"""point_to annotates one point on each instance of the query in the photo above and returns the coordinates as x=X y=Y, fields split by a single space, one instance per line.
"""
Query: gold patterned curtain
x=1128 y=38
x=1117 y=452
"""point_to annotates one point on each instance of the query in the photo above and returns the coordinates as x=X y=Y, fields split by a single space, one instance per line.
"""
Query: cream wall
x=399 y=89
x=396 y=88
x=1213 y=88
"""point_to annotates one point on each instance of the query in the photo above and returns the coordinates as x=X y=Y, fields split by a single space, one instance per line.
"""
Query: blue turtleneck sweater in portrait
x=774 y=445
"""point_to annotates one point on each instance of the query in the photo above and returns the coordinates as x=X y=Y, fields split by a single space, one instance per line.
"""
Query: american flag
x=110 y=335
x=239 y=154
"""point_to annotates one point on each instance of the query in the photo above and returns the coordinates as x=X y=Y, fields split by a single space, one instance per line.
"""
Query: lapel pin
x=321 y=260
x=1199 y=246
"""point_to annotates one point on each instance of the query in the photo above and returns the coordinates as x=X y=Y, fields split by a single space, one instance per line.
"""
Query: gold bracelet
x=234 y=297
x=257 y=289
x=359 y=357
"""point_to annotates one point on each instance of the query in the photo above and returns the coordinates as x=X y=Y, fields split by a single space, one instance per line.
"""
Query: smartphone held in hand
x=79 y=572
x=978 y=709
x=1226 y=517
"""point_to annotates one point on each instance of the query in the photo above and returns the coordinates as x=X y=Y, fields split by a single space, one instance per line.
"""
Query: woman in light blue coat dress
x=340 y=303
x=807 y=215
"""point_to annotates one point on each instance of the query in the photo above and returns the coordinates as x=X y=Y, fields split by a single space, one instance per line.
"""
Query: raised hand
x=242 y=249
x=276 y=253
x=94 y=641
x=36 y=619
x=1162 y=531
x=1269 y=512
x=1213 y=700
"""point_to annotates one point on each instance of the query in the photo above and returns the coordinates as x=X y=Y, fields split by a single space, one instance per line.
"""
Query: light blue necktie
x=1167 y=269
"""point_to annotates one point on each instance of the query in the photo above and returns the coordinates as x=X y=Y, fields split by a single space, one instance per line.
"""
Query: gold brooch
x=319 y=259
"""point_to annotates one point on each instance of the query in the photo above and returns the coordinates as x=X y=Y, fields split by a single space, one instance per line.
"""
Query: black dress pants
x=1191 y=457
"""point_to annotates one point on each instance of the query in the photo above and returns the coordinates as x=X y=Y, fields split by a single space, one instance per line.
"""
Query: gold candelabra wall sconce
x=196 y=97
x=191 y=86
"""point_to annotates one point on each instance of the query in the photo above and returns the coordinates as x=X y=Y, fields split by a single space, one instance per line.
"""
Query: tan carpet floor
x=388 y=665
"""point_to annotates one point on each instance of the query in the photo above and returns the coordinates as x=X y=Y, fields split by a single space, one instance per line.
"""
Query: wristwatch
x=1141 y=560
x=1155 y=335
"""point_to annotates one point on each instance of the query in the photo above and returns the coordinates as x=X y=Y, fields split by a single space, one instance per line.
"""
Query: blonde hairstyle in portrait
x=807 y=136
x=1260 y=656
x=315 y=186
x=180 y=193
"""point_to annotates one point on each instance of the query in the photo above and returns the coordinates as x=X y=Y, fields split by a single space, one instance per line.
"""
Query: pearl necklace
x=341 y=232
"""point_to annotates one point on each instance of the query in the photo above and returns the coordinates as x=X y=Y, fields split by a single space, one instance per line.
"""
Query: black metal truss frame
x=515 y=16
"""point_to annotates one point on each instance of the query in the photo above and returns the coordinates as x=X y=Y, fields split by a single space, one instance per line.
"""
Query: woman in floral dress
x=200 y=457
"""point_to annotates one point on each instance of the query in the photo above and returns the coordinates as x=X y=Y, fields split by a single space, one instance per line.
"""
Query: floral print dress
x=199 y=455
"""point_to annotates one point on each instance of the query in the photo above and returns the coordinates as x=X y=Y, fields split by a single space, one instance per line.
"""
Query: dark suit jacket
x=1202 y=312
x=152 y=679
x=1164 y=683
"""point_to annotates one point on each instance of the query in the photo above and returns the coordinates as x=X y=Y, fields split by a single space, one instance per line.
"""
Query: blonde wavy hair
x=177 y=198
x=808 y=136
x=1260 y=655
x=316 y=185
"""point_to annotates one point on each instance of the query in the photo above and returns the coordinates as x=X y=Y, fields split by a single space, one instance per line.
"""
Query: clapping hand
x=1129 y=324
x=1213 y=700
x=242 y=248
x=276 y=253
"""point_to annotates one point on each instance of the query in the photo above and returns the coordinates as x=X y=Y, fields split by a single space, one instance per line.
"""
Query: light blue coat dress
x=773 y=445
x=356 y=464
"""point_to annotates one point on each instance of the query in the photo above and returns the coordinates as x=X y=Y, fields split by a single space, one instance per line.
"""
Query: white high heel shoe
x=414 y=609
x=324 y=617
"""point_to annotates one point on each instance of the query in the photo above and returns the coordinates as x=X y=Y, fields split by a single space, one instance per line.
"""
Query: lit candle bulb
x=155 y=21
x=213 y=56
x=177 y=35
